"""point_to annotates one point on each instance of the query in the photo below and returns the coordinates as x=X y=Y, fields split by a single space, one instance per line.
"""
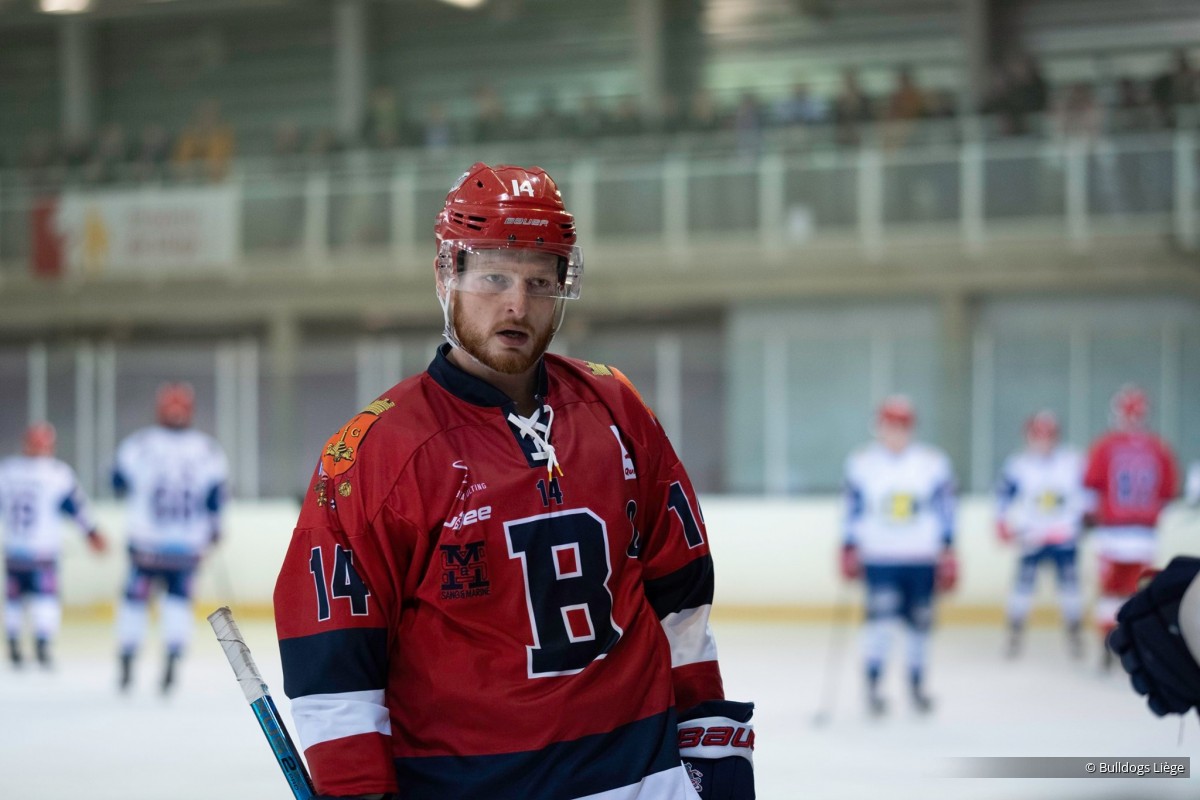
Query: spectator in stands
x=626 y=119
x=1029 y=95
x=905 y=106
x=206 y=146
x=287 y=146
x=748 y=126
x=383 y=126
x=109 y=157
x=1133 y=109
x=801 y=107
x=852 y=109
x=437 y=132
x=152 y=155
x=590 y=119
x=702 y=113
x=1178 y=86
x=549 y=122
x=492 y=123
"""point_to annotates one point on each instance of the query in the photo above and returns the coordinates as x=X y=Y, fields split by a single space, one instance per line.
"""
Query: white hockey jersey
x=899 y=506
x=36 y=492
x=176 y=484
x=1042 y=498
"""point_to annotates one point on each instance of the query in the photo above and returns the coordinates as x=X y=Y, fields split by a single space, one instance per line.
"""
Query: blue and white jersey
x=175 y=481
x=36 y=492
x=1041 y=497
x=899 y=506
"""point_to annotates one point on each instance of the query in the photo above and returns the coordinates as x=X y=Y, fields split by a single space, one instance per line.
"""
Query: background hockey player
x=900 y=504
x=500 y=582
x=174 y=480
x=1040 y=505
x=36 y=491
x=1133 y=475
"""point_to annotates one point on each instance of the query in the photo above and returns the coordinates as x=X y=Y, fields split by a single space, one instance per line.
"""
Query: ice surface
x=68 y=734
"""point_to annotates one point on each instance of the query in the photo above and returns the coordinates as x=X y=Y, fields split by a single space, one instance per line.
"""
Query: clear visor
x=496 y=267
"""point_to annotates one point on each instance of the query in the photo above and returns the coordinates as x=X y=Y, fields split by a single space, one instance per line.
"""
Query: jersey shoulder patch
x=342 y=448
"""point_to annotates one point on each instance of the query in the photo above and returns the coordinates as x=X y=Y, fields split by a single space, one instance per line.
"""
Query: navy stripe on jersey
x=346 y=660
x=688 y=587
x=578 y=768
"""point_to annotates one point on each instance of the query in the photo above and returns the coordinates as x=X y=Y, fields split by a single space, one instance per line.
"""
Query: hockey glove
x=947 y=571
x=1148 y=641
x=716 y=743
x=850 y=564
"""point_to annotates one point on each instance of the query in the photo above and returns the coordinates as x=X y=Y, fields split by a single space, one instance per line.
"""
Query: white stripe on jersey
x=690 y=636
x=325 y=717
x=671 y=784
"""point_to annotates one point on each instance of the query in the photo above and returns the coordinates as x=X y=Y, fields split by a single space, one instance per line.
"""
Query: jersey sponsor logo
x=901 y=507
x=464 y=570
x=465 y=518
x=1050 y=501
x=599 y=370
x=626 y=462
x=467 y=488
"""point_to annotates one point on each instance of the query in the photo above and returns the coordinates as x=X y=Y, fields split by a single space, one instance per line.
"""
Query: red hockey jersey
x=458 y=620
x=1133 y=475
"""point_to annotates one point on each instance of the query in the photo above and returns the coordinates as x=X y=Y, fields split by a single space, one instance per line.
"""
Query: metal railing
x=374 y=211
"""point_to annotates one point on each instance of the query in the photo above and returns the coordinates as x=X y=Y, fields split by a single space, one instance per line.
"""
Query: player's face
x=894 y=435
x=1041 y=442
x=504 y=308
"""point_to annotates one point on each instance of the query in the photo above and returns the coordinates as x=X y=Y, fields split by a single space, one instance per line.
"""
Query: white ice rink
x=68 y=735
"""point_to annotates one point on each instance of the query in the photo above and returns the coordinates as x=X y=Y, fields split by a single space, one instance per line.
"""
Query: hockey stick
x=259 y=698
x=834 y=651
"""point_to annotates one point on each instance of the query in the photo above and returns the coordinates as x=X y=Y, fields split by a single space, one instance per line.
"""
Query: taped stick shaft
x=259 y=697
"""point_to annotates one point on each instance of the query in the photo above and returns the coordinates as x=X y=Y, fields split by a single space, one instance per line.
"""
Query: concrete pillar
x=649 y=55
x=288 y=467
x=973 y=28
x=349 y=67
x=954 y=434
x=76 y=58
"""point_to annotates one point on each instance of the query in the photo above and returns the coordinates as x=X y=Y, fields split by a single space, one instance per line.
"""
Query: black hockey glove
x=1152 y=649
x=716 y=743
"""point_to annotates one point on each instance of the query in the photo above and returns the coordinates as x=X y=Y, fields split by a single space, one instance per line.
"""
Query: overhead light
x=64 y=6
x=465 y=3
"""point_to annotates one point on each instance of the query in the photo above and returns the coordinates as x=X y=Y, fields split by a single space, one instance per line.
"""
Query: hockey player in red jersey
x=1132 y=474
x=500 y=582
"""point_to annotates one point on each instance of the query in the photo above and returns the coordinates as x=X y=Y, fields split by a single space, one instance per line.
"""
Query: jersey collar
x=475 y=391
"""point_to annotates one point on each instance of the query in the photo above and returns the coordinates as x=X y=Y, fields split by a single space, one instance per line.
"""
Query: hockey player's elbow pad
x=716 y=744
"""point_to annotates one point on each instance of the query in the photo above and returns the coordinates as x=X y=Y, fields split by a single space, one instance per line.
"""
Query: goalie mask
x=494 y=211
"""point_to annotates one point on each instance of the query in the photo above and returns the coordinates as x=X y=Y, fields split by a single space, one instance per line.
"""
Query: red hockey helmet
x=1130 y=406
x=175 y=404
x=897 y=410
x=40 y=439
x=1043 y=424
x=494 y=208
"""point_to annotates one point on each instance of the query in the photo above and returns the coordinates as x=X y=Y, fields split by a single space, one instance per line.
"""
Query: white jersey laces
x=539 y=433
